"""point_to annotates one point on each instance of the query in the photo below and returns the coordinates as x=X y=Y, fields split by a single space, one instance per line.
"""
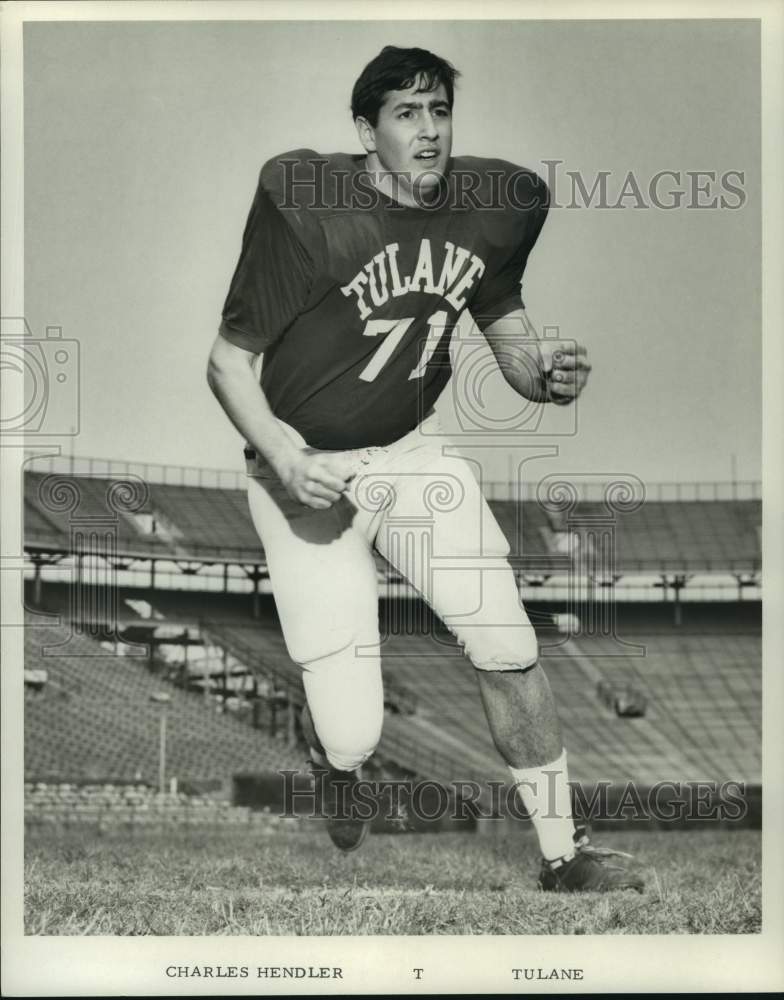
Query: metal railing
x=210 y=478
x=39 y=545
x=220 y=635
x=150 y=472
x=589 y=490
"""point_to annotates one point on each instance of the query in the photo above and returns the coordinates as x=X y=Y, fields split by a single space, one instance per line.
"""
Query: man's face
x=413 y=137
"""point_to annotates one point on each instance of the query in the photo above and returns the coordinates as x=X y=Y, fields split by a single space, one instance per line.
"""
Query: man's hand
x=566 y=371
x=316 y=479
x=313 y=478
x=539 y=370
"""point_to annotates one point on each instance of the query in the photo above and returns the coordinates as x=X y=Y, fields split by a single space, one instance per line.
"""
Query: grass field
x=701 y=882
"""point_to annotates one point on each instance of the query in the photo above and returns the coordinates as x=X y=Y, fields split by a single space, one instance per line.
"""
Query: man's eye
x=405 y=114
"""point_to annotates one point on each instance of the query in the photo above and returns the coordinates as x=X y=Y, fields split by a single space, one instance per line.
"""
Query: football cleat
x=590 y=869
x=335 y=804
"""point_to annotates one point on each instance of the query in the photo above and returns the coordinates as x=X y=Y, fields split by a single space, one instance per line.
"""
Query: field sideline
x=701 y=882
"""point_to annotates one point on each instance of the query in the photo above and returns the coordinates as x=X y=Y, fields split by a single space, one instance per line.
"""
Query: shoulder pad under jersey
x=509 y=200
x=304 y=180
x=305 y=186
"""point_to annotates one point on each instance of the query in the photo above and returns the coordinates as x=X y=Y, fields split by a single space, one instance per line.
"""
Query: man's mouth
x=427 y=155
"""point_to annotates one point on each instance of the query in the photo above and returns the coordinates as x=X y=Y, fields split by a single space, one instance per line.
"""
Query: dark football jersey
x=352 y=298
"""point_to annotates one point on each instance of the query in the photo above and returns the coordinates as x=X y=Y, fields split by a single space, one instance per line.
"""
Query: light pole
x=161 y=698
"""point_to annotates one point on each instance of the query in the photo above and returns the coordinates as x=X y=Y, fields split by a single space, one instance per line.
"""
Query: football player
x=352 y=274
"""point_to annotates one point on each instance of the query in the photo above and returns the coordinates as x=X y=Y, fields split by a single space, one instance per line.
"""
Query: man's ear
x=366 y=133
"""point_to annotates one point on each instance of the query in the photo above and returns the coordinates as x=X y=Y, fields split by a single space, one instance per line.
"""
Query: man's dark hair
x=399 y=69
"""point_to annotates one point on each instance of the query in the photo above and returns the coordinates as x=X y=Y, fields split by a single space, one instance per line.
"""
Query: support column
x=37 y=583
x=292 y=723
x=678 y=583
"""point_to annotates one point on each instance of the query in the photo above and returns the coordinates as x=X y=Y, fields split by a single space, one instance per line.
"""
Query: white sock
x=545 y=794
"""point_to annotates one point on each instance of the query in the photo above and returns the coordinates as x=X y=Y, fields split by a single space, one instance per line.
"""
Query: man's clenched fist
x=317 y=479
x=566 y=371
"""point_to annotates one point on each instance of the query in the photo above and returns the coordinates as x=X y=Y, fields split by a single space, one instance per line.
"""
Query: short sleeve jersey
x=352 y=298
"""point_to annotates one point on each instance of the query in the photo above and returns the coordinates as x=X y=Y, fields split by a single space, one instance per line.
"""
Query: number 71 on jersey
x=395 y=330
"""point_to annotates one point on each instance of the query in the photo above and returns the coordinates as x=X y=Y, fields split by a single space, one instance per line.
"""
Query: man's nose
x=428 y=128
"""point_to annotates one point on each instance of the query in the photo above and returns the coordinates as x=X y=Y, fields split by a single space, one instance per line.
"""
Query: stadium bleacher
x=95 y=718
x=704 y=702
x=40 y=525
x=527 y=530
x=701 y=684
x=694 y=535
x=216 y=518
x=703 y=692
x=688 y=535
x=57 y=505
x=698 y=684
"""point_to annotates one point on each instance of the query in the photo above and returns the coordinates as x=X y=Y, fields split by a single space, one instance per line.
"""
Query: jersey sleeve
x=499 y=292
x=272 y=279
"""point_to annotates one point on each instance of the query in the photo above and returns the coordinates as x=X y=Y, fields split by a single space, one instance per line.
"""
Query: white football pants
x=423 y=510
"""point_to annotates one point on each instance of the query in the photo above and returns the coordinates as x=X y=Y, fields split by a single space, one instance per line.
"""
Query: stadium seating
x=698 y=536
x=700 y=683
x=660 y=536
x=526 y=527
x=450 y=709
x=702 y=720
x=94 y=718
x=702 y=688
x=40 y=526
x=208 y=518
x=449 y=721
x=260 y=646
x=60 y=504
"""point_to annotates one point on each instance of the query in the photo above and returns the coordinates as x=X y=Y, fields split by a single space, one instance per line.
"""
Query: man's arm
x=314 y=478
x=556 y=375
